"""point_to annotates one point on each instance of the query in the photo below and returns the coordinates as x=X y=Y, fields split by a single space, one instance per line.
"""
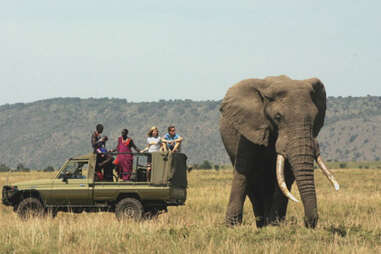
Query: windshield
x=74 y=169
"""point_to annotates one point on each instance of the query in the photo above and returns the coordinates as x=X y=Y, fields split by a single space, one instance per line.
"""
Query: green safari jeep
x=75 y=189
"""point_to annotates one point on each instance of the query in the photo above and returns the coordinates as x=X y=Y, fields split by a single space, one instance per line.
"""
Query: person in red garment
x=124 y=160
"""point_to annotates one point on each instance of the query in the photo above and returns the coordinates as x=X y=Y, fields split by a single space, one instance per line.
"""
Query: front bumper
x=8 y=195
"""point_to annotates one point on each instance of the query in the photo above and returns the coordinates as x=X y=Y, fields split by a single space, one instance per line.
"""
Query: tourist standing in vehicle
x=153 y=141
x=124 y=160
x=97 y=141
x=104 y=159
x=172 y=141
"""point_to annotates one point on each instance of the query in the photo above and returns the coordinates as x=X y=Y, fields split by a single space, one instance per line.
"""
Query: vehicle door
x=71 y=187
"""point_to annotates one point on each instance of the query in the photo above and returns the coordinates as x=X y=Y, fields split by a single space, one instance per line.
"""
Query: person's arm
x=134 y=146
x=163 y=140
x=93 y=141
x=179 y=139
x=116 y=149
x=145 y=149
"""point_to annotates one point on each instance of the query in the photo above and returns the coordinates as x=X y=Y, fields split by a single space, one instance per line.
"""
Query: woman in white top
x=153 y=141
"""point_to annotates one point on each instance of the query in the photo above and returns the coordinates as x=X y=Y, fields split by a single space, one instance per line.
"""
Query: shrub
x=4 y=168
x=20 y=167
x=195 y=166
x=48 y=169
x=206 y=165
x=343 y=165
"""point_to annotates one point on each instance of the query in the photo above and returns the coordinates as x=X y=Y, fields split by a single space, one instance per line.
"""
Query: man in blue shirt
x=171 y=140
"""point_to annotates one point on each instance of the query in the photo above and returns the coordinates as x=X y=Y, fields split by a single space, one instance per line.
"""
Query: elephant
x=269 y=128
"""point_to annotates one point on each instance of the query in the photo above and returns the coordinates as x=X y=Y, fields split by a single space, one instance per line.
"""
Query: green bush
x=4 y=168
x=343 y=165
x=206 y=165
x=48 y=169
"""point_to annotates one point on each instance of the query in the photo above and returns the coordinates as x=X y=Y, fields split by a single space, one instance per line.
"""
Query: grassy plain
x=350 y=222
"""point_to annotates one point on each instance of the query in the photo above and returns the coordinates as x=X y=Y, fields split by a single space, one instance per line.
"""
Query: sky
x=152 y=50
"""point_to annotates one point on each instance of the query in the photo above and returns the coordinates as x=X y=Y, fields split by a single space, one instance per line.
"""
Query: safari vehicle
x=75 y=189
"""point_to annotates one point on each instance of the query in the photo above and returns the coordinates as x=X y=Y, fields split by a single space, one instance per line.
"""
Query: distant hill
x=47 y=132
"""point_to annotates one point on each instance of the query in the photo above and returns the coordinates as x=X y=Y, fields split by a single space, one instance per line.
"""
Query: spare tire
x=129 y=208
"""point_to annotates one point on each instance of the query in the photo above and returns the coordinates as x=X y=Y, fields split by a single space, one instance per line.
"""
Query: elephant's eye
x=278 y=116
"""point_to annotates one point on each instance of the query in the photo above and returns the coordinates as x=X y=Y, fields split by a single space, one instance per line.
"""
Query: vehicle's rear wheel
x=129 y=208
x=30 y=207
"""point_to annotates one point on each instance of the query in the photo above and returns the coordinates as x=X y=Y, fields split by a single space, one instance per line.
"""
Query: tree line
x=21 y=168
x=60 y=128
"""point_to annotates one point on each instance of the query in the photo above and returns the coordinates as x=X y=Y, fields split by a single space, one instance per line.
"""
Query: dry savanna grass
x=350 y=222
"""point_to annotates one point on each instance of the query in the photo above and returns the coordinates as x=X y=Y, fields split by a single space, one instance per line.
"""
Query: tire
x=29 y=208
x=129 y=208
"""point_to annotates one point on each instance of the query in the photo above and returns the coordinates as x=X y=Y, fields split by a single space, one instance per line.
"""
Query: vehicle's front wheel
x=129 y=208
x=30 y=207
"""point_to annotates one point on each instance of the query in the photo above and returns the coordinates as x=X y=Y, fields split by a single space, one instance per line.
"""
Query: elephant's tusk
x=280 y=177
x=327 y=173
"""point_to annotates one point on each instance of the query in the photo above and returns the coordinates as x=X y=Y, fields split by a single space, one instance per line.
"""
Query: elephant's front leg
x=237 y=199
x=279 y=200
x=256 y=195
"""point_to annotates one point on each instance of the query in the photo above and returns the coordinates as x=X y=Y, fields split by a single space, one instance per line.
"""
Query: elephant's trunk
x=300 y=151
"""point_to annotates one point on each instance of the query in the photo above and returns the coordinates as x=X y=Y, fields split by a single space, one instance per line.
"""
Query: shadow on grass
x=338 y=230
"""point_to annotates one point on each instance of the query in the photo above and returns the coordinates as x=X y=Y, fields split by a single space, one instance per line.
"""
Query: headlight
x=8 y=194
x=11 y=190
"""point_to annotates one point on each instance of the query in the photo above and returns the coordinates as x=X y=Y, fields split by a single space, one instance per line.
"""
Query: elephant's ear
x=243 y=107
x=319 y=97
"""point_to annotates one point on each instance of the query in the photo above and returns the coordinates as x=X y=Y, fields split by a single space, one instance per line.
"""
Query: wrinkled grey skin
x=261 y=118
